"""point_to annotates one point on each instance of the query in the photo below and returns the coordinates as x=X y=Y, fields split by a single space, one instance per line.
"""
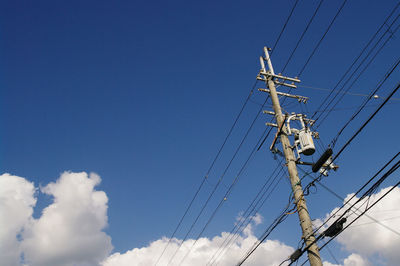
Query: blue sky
x=143 y=94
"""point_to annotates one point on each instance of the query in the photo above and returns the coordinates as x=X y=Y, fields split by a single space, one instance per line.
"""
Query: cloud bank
x=70 y=232
x=379 y=236
x=271 y=252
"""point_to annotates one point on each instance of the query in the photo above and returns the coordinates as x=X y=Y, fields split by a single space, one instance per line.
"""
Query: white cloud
x=369 y=238
x=69 y=232
x=352 y=260
x=16 y=207
x=272 y=252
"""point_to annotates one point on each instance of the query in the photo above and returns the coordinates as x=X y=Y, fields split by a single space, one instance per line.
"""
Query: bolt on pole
x=304 y=217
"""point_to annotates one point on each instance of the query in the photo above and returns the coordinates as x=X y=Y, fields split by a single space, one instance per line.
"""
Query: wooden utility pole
x=304 y=217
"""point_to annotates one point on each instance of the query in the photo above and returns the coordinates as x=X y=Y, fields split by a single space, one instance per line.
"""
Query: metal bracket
x=298 y=97
x=278 y=133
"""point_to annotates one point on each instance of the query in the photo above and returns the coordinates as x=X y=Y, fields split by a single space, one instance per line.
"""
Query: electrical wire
x=208 y=171
x=347 y=203
x=359 y=216
x=235 y=180
x=362 y=106
x=251 y=210
x=358 y=76
x=322 y=38
x=284 y=26
x=367 y=193
x=302 y=35
x=347 y=143
x=219 y=182
x=366 y=122
x=215 y=159
x=281 y=217
x=347 y=93
x=358 y=57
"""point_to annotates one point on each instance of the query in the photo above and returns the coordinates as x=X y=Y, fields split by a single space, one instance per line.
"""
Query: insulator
x=296 y=255
x=335 y=228
x=324 y=157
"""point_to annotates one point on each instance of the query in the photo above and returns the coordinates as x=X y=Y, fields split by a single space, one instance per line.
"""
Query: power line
x=302 y=35
x=366 y=122
x=380 y=84
x=235 y=180
x=251 y=210
x=208 y=172
x=276 y=42
x=358 y=76
x=322 y=38
x=341 y=92
x=355 y=134
x=368 y=194
x=347 y=203
x=284 y=26
x=358 y=57
x=278 y=220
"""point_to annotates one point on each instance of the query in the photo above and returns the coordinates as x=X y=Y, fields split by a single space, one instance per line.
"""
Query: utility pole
x=305 y=222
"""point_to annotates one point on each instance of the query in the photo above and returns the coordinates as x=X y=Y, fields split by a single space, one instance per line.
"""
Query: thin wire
x=347 y=203
x=378 y=222
x=208 y=171
x=302 y=35
x=234 y=234
x=367 y=209
x=358 y=57
x=322 y=38
x=367 y=193
x=333 y=256
x=284 y=26
x=380 y=84
x=236 y=179
x=347 y=93
x=359 y=75
x=366 y=122
x=267 y=232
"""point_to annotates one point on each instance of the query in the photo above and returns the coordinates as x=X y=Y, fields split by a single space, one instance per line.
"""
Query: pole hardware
x=298 y=97
x=281 y=120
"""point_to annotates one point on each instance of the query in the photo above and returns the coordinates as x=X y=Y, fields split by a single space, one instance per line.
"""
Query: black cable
x=347 y=202
x=284 y=26
x=302 y=35
x=366 y=122
x=208 y=171
x=357 y=58
x=349 y=141
x=379 y=85
x=267 y=232
x=233 y=183
x=255 y=207
x=367 y=209
x=333 y=256
x=358 y=76
x=322 y=38
x=365 y=194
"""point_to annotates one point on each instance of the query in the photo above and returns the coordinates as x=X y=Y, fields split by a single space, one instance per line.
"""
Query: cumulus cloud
x=370 y=238
x=271 y=252
x=16 y=207
x=68 y=232
x=352 y=260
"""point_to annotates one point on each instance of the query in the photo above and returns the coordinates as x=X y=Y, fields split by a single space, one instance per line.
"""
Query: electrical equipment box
x=306 y=142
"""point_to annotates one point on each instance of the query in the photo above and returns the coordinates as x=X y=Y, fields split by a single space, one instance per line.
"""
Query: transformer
x=306 y=142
